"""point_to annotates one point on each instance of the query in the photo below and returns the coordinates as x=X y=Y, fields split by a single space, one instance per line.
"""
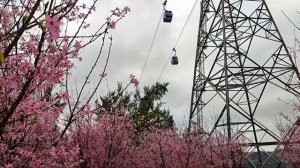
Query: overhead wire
x=151 y=46
x=179 y=37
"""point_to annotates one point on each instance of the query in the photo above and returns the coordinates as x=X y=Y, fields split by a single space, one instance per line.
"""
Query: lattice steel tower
x=243 y=54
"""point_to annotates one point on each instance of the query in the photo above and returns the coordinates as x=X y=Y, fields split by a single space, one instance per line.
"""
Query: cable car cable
x=179 y=37
x=153 y=40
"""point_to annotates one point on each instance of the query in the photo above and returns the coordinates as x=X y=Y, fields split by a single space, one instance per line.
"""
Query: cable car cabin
x=174 y=60
x=168 y=16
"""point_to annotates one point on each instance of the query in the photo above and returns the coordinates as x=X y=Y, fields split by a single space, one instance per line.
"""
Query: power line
x=183 y=28
x=153 y=40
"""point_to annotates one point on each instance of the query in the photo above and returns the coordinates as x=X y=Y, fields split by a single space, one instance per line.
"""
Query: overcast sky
x=133 y=36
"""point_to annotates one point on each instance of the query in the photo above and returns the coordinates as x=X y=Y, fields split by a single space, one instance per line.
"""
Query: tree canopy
x=145 y=109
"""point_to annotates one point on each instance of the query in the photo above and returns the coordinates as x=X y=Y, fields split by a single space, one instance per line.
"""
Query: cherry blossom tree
x=290 y=146
x=167 y=148
x=36 y=56
x=105 y=141
x=111 y=141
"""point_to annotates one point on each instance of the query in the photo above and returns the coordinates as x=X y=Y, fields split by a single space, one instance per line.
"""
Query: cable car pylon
x=238 y=74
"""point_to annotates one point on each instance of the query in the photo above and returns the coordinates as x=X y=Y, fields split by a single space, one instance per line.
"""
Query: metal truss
x=243 y=53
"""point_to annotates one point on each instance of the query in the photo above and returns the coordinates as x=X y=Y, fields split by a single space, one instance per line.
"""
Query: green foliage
x=145 y=108
x=113 y=101
x=147 y=112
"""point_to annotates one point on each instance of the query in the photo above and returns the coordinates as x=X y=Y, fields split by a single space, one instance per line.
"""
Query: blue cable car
x=168 y=15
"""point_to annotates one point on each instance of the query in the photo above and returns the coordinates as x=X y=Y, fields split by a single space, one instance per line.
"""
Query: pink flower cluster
x=53 y=24
x=6 y=17
x=119 y=13
x=111 y=141
x=289 y=147
x=134 y=80
x=112 y=24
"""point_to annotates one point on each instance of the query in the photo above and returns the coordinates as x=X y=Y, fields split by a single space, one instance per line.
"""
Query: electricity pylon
x=243 y=54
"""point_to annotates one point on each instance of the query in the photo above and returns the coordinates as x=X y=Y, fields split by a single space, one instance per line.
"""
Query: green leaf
x=25 y=19
x=1 y=58
x=41 y=25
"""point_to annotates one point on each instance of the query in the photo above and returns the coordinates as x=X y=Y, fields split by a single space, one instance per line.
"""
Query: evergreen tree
x=145 y=109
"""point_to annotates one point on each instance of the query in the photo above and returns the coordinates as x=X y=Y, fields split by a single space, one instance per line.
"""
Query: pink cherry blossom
x=289 y=147
x=1 y=47
x=53 y=25
x=133 y=80
x=126 y=9
x=112 y=24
